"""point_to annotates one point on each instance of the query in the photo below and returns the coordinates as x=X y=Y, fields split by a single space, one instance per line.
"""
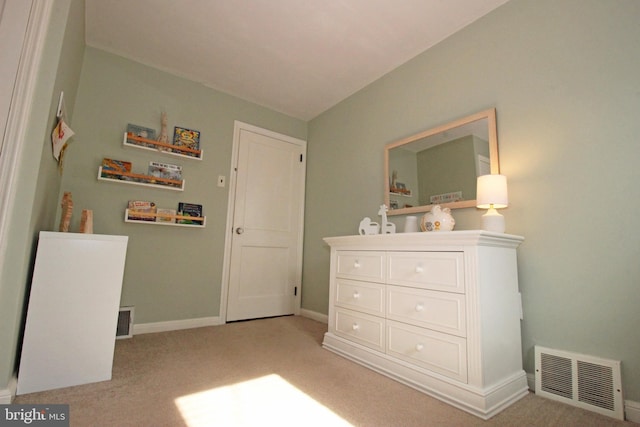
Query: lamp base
x=493 y=221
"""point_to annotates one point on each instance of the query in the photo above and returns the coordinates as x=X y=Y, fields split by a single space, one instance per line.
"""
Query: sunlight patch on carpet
x=268 y=400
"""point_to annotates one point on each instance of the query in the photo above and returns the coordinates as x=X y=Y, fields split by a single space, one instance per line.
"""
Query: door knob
x=239 y=230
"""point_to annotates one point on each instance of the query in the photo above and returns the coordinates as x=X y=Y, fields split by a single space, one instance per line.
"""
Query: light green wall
x=563 y=77
x=37 y=180
x=171 y=273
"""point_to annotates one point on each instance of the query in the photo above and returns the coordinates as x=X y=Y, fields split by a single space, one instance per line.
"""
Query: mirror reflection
x=440 y=166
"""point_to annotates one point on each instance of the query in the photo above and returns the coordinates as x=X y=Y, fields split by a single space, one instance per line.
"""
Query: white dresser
x=437 y=311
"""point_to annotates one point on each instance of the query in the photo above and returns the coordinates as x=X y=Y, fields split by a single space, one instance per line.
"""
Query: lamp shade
x=492 y=190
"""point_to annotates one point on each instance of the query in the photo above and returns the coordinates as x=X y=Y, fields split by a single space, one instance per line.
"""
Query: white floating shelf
x=138 y=176
x=158 y=147
x=172 y=224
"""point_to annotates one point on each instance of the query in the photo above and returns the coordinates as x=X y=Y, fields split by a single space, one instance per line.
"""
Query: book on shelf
x=116 y=165
x=142 y=132
x=188 y=138
x=190 y=210
x=142 y=210
x=165 y=170
x=165 y=215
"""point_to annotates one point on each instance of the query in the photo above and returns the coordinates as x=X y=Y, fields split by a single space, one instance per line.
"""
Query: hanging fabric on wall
x=61 y=133
x=59 y=137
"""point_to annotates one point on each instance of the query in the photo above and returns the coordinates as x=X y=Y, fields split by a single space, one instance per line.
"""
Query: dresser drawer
x=361 y=265
x=441 y=311
x=435 y=351
x=360 y=296
x=361 y=328
x=442 y=271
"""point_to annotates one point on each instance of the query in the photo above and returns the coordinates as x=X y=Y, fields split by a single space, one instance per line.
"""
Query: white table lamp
x=492 y=195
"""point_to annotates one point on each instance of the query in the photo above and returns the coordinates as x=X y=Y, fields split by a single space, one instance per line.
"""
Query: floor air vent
x=125 y=323
x=587 y=382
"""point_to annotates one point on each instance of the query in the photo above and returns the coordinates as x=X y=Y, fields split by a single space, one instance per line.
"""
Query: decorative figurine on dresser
x=386 y=227
x=369 y=227
x=439 y=312
x=438 y=219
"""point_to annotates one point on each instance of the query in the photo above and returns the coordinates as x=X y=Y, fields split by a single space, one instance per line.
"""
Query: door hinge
x=295 y=291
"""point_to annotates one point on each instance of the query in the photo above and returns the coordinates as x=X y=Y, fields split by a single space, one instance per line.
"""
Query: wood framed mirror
x=440 y=166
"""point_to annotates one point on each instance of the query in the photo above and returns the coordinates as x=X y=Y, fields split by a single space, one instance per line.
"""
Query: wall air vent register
x=584 y=381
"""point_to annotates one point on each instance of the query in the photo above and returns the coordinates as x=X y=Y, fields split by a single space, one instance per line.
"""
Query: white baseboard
x=632 y=411
x=631 y=408
x=531 y=382
x=174 y=325
x=7 y=394
x=314 y=315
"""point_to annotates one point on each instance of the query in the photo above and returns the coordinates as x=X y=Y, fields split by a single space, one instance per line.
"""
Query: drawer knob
x=419 y=307
x=355 y=326
x=419 y=347
x=419 y=269
x=356 y=264
x=356 y=295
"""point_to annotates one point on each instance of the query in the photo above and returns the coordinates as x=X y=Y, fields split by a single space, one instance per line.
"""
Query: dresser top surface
x=427 y=239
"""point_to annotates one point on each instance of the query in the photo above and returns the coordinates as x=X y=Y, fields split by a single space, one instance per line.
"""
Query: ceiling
x=298 y=57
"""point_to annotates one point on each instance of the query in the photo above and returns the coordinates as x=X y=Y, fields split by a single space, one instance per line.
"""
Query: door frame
x=239 y=126
x=29 y=36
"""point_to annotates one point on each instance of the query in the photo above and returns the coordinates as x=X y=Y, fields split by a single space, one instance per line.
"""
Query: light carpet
x=269 y=372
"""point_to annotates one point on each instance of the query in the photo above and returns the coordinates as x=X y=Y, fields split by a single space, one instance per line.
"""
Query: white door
x=265 y=261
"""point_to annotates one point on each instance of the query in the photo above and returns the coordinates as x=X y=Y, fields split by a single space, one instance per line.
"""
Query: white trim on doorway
x=17 y=121
x=20 y=109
